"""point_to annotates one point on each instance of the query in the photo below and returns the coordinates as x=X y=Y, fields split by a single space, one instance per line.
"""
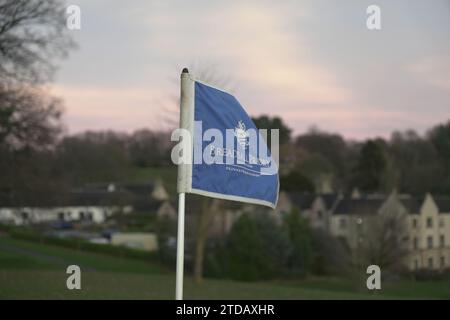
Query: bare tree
x=209 y=207
x=207 y=73
x=149 y=148
x=32 y=34
x=383 y=240
x=28 y=118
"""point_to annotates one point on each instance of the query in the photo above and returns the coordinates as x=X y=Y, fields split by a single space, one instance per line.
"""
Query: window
x=414 y=223
x=430 y=242
x=442 y=262
x=416 y=264
x=441 y=222
x=319 y=215
x=429 y=222
x=430 y=263
x=359 y=225
x=342 y=223
x=415 y=243
x=442 y=240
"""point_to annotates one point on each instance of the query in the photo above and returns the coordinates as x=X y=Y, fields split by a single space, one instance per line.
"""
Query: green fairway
x=19 y=254
x=26 y=284
x=36 y=271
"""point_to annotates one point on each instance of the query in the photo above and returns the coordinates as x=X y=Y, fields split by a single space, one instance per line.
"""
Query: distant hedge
x=78 y=244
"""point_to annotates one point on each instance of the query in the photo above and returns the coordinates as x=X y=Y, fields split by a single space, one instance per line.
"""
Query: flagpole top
x=185 y=70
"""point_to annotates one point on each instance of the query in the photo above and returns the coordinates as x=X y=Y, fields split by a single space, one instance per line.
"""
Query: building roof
x=302 y=201
x=412 y=204
x=139 y=189
x=358 y=206
x=138 y=195
x=443 y=203
x=329 y=199
x=11 y=200
x=146 y=204
x=134 y=188
x=98 y=198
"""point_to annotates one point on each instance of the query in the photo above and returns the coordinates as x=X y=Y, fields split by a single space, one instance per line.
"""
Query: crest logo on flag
x=241 y=134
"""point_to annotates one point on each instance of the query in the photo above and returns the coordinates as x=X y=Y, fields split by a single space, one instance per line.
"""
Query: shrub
x=255 y=249
x=299 y=235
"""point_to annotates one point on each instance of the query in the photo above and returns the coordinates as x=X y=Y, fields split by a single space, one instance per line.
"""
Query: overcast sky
x=310 y=62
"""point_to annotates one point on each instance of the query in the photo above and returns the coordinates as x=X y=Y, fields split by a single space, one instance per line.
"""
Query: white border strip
x=187 y=107
x=234 y=198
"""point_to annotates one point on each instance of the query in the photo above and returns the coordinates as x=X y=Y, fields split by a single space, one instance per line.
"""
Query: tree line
x=407 y=161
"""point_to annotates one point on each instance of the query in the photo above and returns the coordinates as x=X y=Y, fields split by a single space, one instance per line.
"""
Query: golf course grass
x=35 y=271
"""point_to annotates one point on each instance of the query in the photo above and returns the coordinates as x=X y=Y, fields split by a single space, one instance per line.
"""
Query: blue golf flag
x=223 y=155
x=230 y=158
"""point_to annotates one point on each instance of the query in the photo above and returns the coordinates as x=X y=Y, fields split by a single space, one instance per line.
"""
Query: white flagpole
x=180 y=248
x=186 y=98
